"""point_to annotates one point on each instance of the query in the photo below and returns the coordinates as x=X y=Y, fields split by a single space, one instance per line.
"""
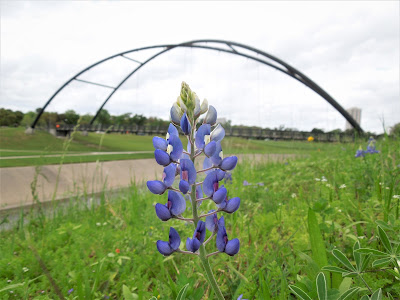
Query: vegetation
x=295 y=219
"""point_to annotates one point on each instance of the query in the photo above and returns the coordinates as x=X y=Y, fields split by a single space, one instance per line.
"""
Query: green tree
x=71 y=117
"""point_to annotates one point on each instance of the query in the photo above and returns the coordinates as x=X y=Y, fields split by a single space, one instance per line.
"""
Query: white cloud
x=351 y=49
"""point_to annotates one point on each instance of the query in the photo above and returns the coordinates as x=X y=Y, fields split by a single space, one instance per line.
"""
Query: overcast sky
x=351 y=49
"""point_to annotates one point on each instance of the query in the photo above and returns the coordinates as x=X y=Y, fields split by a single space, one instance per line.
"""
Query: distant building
x=355 y=112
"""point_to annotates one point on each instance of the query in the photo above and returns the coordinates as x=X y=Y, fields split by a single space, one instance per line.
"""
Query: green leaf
x=384 y=239
x=390 y=296
x=345 y=285
x=365 y=262
x=321 y=287
x=299 y=292
x=347 y=294
x=264 y=288
x=357 y=256
x=384 y=225
x=182 y=292
x=371 y=251
x=343 y=259
x=153 y=298
x=334 y=269
x=317 y=243
x=377 y=295
x=365 y=297
x=128 y=295
x=350 y=274
x=381 y=262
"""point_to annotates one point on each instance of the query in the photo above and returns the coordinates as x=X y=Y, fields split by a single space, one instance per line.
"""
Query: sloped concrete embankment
x=78 y=179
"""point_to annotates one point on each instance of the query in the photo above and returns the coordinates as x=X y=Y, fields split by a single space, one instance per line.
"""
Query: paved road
x=77 y=179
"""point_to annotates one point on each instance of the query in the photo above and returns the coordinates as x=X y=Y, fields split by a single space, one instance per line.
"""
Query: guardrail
x=261 y=134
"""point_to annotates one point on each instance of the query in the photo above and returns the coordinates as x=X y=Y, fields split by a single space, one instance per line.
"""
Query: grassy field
x=14 y=142
x=292 y=216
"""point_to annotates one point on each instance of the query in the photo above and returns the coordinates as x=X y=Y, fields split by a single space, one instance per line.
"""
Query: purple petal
x=218 y=133
x=162 y=157
x=208 y=184
x=184 y=186
x=185 y=125
x=210 y=148
x=201 y=228
x=164 y=248
x=211 y=221
x=211 y=116
x=169 y=172
x=175 y=115
x=156 y=187
x=207 y=163
x=172 y=130
x=221 y=222
x=199 y=192
x=160 y=143
x=178 y=203
x=232 y=205
x=232 y=247
x=196 y=245
x=215 y=158
x=203 y=130
x=187 y=165
x=220 y=175
x=189 y=245
x=163 y=212
x=177 y=147
x=220 y=195
x=174 y=238
x=229 y=163
x=220 y=240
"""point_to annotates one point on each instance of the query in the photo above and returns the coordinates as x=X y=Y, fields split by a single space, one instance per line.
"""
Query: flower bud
x=211 y=116
x=204 y=107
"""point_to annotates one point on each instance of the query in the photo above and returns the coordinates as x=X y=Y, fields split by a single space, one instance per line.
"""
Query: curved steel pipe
x=282 y=67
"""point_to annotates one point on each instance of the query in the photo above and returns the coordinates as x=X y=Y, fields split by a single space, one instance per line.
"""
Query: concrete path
x=77 y=179
x=76 y=154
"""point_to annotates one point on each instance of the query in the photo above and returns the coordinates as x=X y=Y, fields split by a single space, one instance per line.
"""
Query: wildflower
x=168 y=177
x=223 y=244
x=360 y=152
x=310 y=139
x=211 y=116
x=167 y=248
x=98 y=224
x=246 y=183
x=211 y=187
x=185 y=124
x=328 y=185
x=198 y=237
x=175 y=206
x=396 y=196
x=117 y=250
x=205 y=142
x=241 y=297
x=230 y=206
x=294 y=195
x=169 y=150
x=70 y=291
x=212 y=222
x=343 y=186
x=323 y=179
x=9 y=281
x=25 y=269
x=371 y=146
x=317 y=179
x=188 y=175
x=261 y=183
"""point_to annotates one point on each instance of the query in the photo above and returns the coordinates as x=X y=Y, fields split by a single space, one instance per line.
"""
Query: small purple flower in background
x=230 y=247
x=167 y=248
x=371 y=148
x=241 y=297
x=70 y=291
x=198 y=237
x=246 y=183
x=360 y=152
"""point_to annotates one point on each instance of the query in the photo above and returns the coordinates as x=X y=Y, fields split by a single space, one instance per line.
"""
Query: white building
x=355 y=112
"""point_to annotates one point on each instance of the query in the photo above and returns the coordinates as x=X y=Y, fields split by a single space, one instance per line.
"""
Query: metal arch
x=276 y=63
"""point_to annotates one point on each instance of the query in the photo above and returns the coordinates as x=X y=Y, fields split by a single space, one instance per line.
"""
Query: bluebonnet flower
x=185 y=124
x=230 y=247
x=211 y=116
x=230 y=206
x=198 y=237
x=211 y=186
x=169 y=150
x=175 y=206
x=167 y=248
x=371 y=146
x=188 y=175
x=204 y=141
x=360 y=152
x=168 y=177
x=228 y=177
x=212 y=222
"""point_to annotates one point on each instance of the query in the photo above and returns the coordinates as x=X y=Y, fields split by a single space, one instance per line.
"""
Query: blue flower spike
x=202 y=140
x=199 y=236
x=167 y=248
x=175 y=206
x=230 y=247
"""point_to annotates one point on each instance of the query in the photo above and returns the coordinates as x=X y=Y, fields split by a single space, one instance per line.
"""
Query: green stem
x=202 y=253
